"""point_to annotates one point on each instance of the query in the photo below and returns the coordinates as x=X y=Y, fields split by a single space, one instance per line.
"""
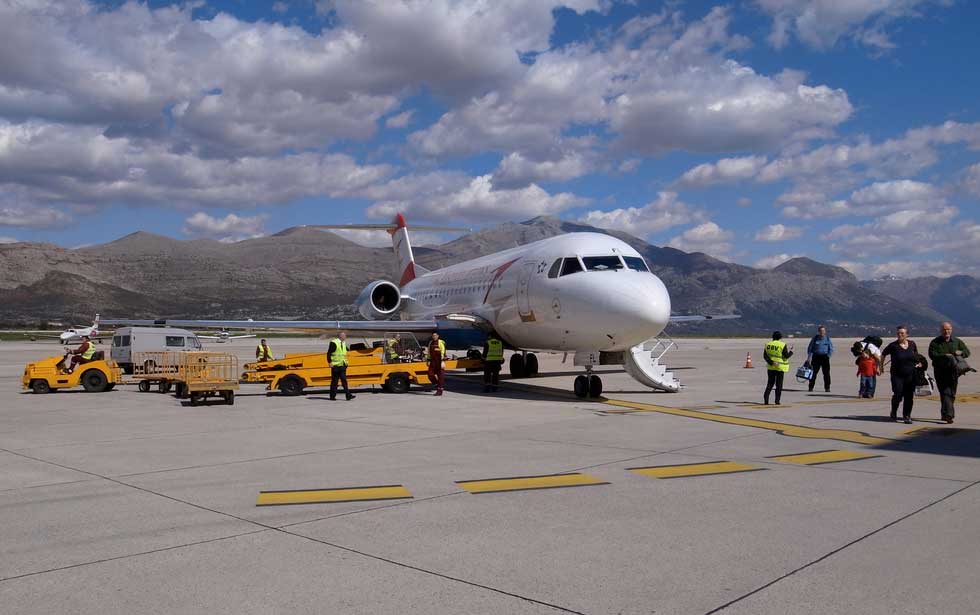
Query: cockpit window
x=602 y=263
x=635 y=263
x=555 y=269
x=570 y=265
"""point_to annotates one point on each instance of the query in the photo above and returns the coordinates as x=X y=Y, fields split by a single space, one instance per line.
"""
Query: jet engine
x=379 y=300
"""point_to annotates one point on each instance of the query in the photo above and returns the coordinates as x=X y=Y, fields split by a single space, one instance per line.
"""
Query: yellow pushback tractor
x=47 y=375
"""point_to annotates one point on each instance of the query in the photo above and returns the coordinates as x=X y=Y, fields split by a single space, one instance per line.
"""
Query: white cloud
x=4 y=239
x=743 y=201
x=970 y=179
x=874 y=199
x=778 y=232
x=30 y=216
x=230 y=228
x=707 y=237
x=822 y=23
x=899 y=268
x=675 y=89
x=375 y=239
x=665 y=212
x=906 y=233
x=517 y=170
x=774 y=260
x=400 y=120
x=726 y=170
x=475 y=201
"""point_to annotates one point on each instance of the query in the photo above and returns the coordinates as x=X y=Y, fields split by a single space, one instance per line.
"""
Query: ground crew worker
x=393 y=349
x=263 y=352
x=777 y=357
x=437 y=354
x=82 y=354
x=493 y=359
x=337 y=357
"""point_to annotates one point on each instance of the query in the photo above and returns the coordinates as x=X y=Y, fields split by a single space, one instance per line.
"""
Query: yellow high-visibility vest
x=338 y=357
x=774 y=350
x=89 y=352
x=264 y=353
x=495 y=349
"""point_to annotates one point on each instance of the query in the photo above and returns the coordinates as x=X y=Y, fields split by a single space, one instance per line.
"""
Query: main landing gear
x=523 y=365
x=588 y=385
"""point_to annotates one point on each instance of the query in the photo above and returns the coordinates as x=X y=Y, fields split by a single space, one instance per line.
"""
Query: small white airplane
x=586 y=294
x=74 y=334
x=223 y=336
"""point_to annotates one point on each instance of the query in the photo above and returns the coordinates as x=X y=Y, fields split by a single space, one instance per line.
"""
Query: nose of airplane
x=643 y=308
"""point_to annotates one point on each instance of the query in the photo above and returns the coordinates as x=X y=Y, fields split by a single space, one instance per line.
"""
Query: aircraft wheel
x=291 y=386
x=144 y=386
x=517 y=365
x=581 y=386
x=40 y=387
x=531 y=365
x=94 y=381
x=595 y=386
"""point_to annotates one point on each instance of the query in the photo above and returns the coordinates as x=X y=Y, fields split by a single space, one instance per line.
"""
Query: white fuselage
x=72 y=335
x=533 y=305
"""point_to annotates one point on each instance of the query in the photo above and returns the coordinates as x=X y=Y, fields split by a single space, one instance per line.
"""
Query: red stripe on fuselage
x=408 y=275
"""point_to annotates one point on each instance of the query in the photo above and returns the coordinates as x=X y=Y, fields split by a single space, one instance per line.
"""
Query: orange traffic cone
x=748 y=360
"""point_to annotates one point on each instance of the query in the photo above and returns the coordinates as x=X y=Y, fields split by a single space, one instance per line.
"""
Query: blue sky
x=755 y=131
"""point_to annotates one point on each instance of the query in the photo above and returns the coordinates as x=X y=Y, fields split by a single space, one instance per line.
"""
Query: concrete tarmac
x=126 y=502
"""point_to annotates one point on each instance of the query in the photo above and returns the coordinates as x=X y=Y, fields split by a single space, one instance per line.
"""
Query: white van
x=127 y=340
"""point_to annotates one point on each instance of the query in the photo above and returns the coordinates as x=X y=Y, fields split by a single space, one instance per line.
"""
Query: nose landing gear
x=523 y=365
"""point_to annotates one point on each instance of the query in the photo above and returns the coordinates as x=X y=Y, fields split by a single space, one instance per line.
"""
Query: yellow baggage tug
x=47 y=375
x=394 y=364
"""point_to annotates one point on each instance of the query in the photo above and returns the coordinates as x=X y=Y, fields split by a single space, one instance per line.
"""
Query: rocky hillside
x=305 y=273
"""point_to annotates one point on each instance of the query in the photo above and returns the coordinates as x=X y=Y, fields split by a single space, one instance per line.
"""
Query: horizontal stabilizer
x=697 y=317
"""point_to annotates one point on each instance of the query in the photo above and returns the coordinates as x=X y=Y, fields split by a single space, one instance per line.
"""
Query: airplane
x=223 y=336
x=72 y=334
x=590 y=295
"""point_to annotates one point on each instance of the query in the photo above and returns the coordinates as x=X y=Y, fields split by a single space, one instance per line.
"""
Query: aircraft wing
x=238 y=337
x=695 y=318
x=351 y=326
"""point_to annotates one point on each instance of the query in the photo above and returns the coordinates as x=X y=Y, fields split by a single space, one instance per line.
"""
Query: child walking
x=867 y=370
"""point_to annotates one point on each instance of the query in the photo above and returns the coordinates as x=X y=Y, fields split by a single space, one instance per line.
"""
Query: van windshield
x=602 y=263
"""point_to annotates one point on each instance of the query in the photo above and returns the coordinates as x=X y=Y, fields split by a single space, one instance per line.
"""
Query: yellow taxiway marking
x=969 y=398
x=332 y=496
x=794 y=431
x=521 y=483
x=695 y=469
x=820 y=457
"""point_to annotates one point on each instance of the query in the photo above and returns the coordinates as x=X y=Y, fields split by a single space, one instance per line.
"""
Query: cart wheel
x=180 y=390
x=195 y=399
x=94 y=381
x=144 y=386
x=229 y=397
x=40 y=387
x=110 y=386
x=164 y=386
x=398 y=383
x=291 y=386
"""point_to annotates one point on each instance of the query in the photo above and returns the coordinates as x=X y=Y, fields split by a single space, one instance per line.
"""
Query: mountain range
x=306 y=273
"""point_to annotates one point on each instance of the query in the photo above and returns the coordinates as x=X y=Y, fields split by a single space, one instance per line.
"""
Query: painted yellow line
x=695 y=469
x=969 y=398
x=820 y=457
x=786 y=429
x=332 y=496
x=522 y=483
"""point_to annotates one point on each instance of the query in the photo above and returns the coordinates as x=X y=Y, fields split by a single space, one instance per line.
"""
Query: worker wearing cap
x=777 y=356
x=493 y=359
x=337 y=357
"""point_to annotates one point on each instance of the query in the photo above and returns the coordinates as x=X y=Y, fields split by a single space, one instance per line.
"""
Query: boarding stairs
x=643 y=363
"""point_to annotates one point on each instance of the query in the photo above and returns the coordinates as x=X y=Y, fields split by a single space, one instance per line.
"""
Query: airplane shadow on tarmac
x=939 y=440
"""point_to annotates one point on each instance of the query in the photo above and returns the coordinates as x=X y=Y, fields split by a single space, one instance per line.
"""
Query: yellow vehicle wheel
x=40 y=387
x=291 y=386
x=398 y=383
x=94 y=381
x=144 y=386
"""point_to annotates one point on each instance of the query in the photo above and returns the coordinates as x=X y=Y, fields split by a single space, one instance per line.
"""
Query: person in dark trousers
x=943 y=351
x=819 y=351
x=493 y=359
x=337 y=357
x=83 y=354
x=437 y=354
x=777 y=356
x=905 y=360
x=263 y=352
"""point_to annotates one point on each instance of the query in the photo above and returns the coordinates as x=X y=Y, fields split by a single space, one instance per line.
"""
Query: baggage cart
x=207 y=374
